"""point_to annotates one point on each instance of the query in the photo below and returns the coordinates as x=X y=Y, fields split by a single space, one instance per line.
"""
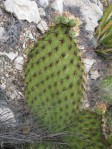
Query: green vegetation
x=55 y=78
x=54 y=75
x=106 y=90
x=104 y=34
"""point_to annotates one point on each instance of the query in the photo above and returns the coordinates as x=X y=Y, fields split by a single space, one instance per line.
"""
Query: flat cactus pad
x=84 y=132
x=54 y=77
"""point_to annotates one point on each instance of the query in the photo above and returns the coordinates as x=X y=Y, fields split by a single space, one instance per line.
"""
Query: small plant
x=104 y=34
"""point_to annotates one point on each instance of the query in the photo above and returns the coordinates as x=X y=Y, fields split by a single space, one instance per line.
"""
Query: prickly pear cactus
x=85 y=131
x=54 y=75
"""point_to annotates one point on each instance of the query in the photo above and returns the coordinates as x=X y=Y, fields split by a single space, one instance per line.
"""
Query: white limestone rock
x=42 y=26
x=18 y=67
x=57 y=5
x=94 y=74
x=88 y=64
x=19 y=60
x=97 y=10
x=98 y=3
x=90 y=12
x=10 y=55
x=43 y=3
x=2 y=32
x=42 y=12
x=23 y=9
x=6 y=115
x=18 y=63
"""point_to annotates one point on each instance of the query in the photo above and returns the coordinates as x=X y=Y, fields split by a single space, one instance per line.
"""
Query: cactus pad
x=85 y=131
x=54 y=76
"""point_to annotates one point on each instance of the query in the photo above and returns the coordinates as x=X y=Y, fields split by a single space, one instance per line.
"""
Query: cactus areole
x=54 y=75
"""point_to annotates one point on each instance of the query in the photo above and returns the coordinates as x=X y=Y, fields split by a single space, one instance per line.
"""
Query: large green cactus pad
x=54 y=77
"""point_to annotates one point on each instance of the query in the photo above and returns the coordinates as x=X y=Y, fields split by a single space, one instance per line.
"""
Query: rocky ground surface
x=17 y=33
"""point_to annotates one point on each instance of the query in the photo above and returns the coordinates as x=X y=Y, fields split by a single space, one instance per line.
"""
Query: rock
x=19 y=60
x=97 y=10
x=13 y=31
x=88 y=64
x=23 y=9
x=18 y=63
x=89 y=12
x=6 y=116
x=98 y=3
x=42 y=12
x=42 y=26
x=94 y=74
x=2 y=32
x=94 y=1
x=86 y=104
x=43 y=3
x=3 y=86
x=18 y=67
x=24 y=45
x=94 y=42
x=57 y=5
x=31 y=36
x=10 y=55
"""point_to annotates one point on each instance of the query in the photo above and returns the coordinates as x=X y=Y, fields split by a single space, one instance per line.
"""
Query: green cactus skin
x=84 y=132
x=65 y=20
x=72 y=23
x=72 y=34
x=57 y=19
x=54 y=77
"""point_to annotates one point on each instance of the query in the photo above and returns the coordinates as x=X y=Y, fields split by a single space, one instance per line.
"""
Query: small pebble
x=94 y=74
x=88 y=63
x=19 y=60
x=42 y=26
